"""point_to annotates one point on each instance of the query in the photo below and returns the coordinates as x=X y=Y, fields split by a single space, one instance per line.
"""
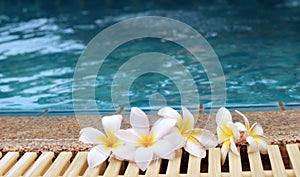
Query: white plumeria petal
x=162 y=127
x=128 y=136
x=233 y=146
x=188 y=119
x=163 y=149
x=126 y=152
x=194 y=147
x=240 y=126
x=222 y=135
x=139 y=121
x=91 y=135
x=256 y=129
x=253 y=146
x=223 y=115
x=143 y=157
x=262 y=142
x=234 y=130
x=169 y=113
x=97 y=155
x=247 y=124
x=175 y=138
x=170 y=156
x=205 y=138
x=224 y=151
x=111 y=123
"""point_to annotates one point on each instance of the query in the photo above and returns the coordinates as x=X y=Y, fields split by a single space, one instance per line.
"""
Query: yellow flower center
x=111 y=141
x=186 y=133
x=146 y=140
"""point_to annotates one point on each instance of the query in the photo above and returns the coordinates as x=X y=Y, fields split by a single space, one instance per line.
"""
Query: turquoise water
x=257 y=44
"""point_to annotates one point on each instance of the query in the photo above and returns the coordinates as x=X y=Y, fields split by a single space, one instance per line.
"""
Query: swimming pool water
x=257 y=44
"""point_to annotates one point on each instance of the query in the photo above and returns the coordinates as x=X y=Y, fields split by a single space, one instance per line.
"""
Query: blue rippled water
x=257 y=42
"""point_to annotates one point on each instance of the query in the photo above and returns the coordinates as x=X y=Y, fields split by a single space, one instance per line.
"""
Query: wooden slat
x=132 y=170
x=256 y=164
x=194 y=166
x=235 y=164
x=269 y=173
x=28 y=167
x=40 y=165
x=8 y=161
x=294 y=154
x=22 y=165
x=78 y=165
x=214 y=162
x=113 y=168
x=173 y=168
x=276 y=161
x=59 y=165
x=93 y=172
x=153 y=168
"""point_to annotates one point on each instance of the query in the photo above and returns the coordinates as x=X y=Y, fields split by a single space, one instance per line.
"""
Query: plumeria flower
x=228 y=132
x=254 y=135
x=106 y=144
x=196 y=140
x=148 y=143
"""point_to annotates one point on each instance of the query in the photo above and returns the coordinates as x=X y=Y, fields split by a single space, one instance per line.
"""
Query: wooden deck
x=280 y=162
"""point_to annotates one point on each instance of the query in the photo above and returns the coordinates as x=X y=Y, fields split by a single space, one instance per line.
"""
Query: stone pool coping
x=60 y=133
